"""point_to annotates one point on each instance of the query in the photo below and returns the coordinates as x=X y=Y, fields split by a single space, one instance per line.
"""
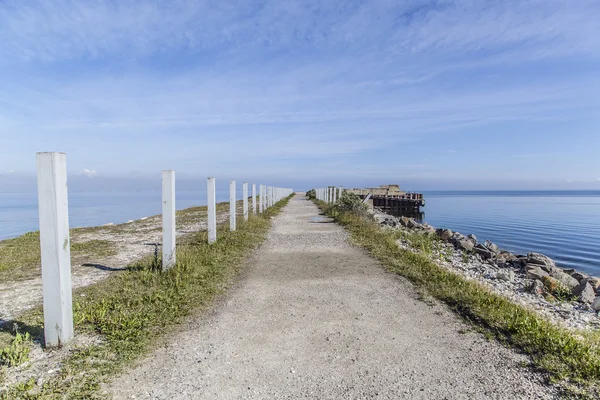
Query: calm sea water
x=19 y=212
x=563 y=225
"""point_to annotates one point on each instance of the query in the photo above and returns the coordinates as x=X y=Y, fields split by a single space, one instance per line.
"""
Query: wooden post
x=232 y=208
x=168 y=219
x=253 y=199
x=245 y=200
x=55 y=248
x=261 y=198
x=212 y=210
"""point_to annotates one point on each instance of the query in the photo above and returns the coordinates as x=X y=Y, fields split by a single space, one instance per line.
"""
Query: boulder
x=563 y=278
x=507 y=275
x=483 y=251
x=464 y=244
x=536 y=273
x=446 y=234
x=585 y=292
x=491 y=247
x=596 y=304
x=404 y=221
x=472 y=238
x=520 y=262
x=540 y=259
x=537 y=287
x=412 y=224
x=580 y=276
x=594 y=281
x=507 y=255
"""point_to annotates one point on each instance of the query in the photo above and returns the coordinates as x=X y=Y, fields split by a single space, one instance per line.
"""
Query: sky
x=457 y=94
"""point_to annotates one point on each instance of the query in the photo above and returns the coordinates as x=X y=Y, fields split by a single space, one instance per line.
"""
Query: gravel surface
x=313 y=317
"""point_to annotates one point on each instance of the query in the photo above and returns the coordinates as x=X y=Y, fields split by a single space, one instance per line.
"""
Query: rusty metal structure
x=391 y=199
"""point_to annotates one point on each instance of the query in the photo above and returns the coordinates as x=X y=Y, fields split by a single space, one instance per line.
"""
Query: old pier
x=392 y=200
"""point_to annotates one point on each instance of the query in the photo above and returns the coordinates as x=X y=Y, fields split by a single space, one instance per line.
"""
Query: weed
x=18 y=351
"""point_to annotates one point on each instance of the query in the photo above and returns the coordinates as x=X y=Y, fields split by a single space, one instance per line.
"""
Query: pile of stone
x=567 y=296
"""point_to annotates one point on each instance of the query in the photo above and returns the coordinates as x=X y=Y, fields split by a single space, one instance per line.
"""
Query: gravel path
x=313 y=317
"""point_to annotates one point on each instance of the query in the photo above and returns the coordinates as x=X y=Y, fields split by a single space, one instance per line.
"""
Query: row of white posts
x=329 y=194
x=55 y=242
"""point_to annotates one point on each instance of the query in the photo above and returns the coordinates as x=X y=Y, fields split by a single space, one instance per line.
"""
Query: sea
x=564 y=225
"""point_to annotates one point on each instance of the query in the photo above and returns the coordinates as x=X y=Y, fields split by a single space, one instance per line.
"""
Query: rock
x=412 y=224
x=540 y=259
x=585 y=292
x=483 y=251
x=508 y=275
x=580 y=276
x=404 y=221
x=596 y=304
x=537 y=287
x=446 y=234
x=520 y=261
x=472 y=238
x=594 y=281
x=492 y=247
x=464 y=244
x=536 y=273
x=507 y=255
x=563 y=278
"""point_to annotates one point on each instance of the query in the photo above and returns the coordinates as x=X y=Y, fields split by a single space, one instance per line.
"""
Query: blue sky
x=427 y=94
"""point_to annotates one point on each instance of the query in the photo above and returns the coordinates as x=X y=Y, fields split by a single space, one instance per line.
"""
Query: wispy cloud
x=292 y=80
x=88 y=173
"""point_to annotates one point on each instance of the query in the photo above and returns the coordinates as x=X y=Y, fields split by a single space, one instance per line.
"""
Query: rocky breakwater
x=565 y=296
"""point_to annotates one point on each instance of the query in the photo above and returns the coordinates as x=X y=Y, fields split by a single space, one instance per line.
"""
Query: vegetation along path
x=314 y=317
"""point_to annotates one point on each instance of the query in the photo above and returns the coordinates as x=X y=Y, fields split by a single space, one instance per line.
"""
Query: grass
x=17 y=352
x=20 y=257
x=568 y=357
x=132 y=311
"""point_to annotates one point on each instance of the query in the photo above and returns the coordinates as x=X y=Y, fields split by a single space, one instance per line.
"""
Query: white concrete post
x=212 y=210
x=232 y=208
x=245 y=200
x=253 y=199
x=334 y=195
x=55 y=247
x=341 y=191
x=267 y=191
x=261 y=198
x=168 y=219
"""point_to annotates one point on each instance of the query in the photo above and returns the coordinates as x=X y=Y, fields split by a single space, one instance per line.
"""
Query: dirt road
x=313 y=317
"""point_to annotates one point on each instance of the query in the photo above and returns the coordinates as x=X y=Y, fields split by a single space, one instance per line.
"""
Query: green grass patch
x=19 y=257
x=98 y=248
x=131 y=311
x=17 y=352
x=568 y=357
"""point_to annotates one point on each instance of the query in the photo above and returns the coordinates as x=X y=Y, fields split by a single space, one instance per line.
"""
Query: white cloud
x=88 y=172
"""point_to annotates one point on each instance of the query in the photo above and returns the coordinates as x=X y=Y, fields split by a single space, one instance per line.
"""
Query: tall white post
x=254 y=199
x=212 y=210
x=261 y=198
x=232 y=208
x=341 y=191
x=55 y=247
x=267 y=191
x=334 y=195
x=168 y=218
x=245 y=200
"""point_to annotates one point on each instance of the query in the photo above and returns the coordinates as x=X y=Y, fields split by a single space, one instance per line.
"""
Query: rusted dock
x=392 y=200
